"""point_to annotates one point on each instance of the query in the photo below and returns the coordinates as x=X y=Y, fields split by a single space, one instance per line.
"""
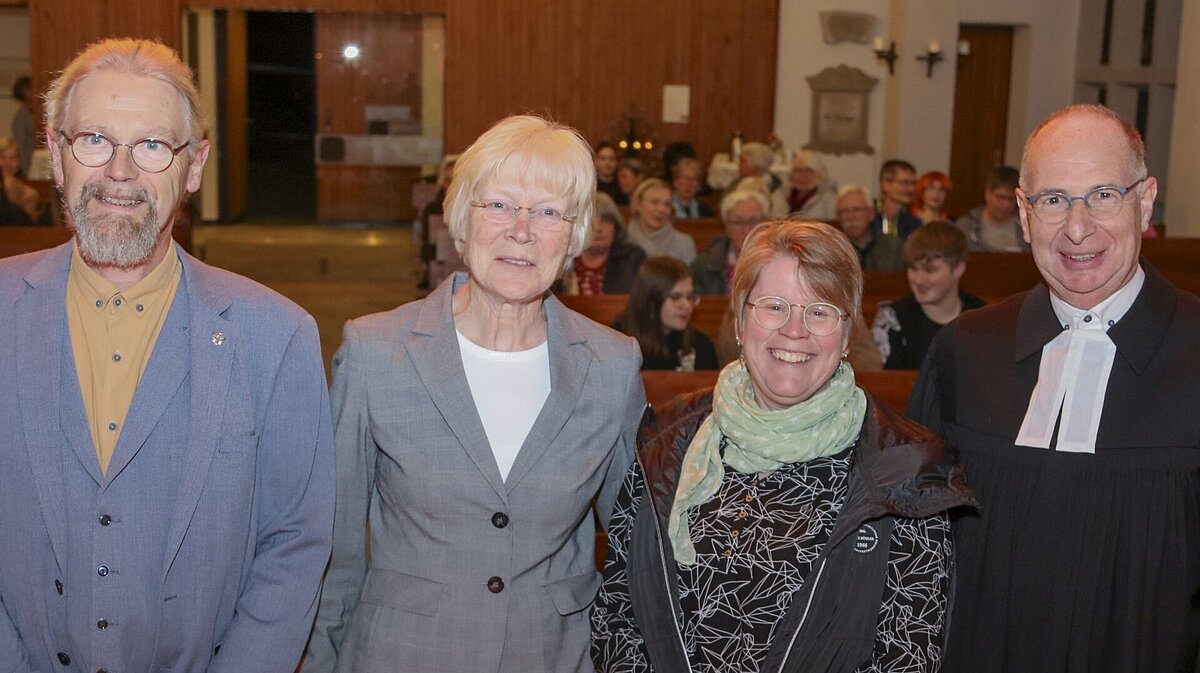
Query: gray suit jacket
x=468 y=572
x=202 y=546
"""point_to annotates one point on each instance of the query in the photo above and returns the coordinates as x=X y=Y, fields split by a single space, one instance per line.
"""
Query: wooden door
x=980 y=112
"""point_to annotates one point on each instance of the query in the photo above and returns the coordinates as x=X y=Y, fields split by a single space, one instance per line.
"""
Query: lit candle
x=878 y=43
x=935 y=47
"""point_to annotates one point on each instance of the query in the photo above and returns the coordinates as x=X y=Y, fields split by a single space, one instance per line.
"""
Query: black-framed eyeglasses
x=820 y=318
x=1102 y=202
x=96 y=149
x=507 y=214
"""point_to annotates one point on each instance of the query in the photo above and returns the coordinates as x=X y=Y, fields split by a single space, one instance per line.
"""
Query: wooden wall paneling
x=980 y=113
x=366 y=6
x=388 y=73
x=157 y=19
x=236 y=149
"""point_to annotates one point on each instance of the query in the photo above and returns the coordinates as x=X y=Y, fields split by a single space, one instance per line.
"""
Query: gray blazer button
x=64 y=659
x=500 y=520
x=102 y=623
x=495 y=585
x=102 y=571
x=105 y=519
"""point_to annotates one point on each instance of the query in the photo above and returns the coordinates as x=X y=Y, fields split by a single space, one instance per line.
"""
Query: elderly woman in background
x=609 y=263
x=19 y=202
x=812 y=196
x=659 y=316
x=474 y=430
x=786 y=520
x=929 y=198
x=651 y=228
x=741 y=211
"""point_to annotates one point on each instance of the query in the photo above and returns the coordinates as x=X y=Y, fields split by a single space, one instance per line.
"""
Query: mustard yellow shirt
x=112 y=336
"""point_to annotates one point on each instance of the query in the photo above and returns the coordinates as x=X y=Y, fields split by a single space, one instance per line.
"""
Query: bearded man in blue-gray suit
x=166 y=496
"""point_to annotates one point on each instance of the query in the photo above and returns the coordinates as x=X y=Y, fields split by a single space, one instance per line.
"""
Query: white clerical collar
x=1074 y=371
x=1106 y=313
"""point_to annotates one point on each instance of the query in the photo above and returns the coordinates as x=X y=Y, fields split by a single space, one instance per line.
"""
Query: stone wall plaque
x=838 y=26
x=840 y=110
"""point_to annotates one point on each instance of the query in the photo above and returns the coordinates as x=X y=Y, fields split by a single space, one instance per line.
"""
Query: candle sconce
x=930 y=57
x=888 y=55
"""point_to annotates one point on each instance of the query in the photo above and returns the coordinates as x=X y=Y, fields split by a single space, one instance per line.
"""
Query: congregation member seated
x=432 y=210
x=609 y=263
x=606 y=169
x=936 y=256
x=995 y=226
x=754 y=170
x=651 y=228
x=929 y=199
x=685 y=178
x=17 y=192
x=659 y=315
x=812 y=196
x=897 y=185
x=785 y=520
x=741 y=211
x=630 y=173
x=876 y=251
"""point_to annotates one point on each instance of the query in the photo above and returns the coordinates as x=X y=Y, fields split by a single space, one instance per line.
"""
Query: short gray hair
x=738 y=195
x=759 y=156
x=127 y=56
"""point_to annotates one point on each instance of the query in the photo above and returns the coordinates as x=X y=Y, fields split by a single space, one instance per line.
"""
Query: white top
x=1073 y=374
x=509 y=390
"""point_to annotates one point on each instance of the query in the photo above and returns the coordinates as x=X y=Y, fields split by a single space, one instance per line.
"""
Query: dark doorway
x=980 y=112
x=281 y=123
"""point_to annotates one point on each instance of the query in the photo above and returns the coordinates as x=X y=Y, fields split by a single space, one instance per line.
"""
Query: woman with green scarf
x=785 y=520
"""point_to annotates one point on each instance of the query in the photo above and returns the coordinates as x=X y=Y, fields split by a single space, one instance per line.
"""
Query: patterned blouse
x=756 y=541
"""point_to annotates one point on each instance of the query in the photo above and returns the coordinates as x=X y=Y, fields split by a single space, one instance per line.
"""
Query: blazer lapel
x=570 y=360
x=165 y=372
x=41 y=338
x=433 y=345
x=207 y=352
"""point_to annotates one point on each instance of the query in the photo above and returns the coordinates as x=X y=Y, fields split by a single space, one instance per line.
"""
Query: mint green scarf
x=758 y=440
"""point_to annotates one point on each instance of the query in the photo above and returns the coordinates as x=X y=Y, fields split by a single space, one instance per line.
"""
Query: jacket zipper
x=804 y=617
x=662 y=558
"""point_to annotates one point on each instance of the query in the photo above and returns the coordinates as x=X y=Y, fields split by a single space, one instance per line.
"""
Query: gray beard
x=115 y=240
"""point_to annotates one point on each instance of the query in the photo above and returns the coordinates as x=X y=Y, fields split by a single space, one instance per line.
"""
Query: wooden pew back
x=604 y=309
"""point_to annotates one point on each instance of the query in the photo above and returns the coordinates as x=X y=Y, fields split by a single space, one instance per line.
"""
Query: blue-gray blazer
x=468 y=572
x=201 y=547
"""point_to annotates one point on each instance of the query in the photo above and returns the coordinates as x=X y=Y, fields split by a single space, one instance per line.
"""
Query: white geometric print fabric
x=756 y=541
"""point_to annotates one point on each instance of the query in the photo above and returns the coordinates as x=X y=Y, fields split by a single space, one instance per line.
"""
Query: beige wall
x=1181 y=216
x=912 y=115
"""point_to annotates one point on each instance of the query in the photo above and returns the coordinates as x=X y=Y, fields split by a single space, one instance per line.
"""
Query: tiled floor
x=335 y=273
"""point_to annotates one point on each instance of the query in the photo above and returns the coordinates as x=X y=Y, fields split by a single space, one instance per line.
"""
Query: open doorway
x=281 y=117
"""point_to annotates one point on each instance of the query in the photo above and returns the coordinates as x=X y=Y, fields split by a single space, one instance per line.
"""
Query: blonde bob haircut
x=530 y=151
x=828 y=263
x=126 y=56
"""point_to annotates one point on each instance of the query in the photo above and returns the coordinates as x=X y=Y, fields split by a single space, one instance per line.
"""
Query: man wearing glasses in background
x=166 y=500
x=1074 y=408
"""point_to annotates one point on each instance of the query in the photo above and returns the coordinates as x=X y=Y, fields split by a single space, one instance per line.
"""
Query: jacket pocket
x=409 y=593
x=572 y=594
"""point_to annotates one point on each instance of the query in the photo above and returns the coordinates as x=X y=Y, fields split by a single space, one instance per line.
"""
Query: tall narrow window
x=1106 y=38
x=1148 y=33
x=1143 y=109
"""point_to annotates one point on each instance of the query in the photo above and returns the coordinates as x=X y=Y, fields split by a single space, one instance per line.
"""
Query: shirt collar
x=145 y=293
x=1103 y=315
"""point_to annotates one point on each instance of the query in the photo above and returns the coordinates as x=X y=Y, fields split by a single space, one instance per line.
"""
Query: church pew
x=702 y=230
x=20 y=240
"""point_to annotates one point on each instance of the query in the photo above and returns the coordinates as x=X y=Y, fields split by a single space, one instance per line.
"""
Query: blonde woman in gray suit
x=475 y=428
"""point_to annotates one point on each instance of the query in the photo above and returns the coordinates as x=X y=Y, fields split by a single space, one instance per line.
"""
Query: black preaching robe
x=1078 y=563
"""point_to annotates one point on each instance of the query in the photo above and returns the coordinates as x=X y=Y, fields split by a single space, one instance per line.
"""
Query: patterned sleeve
x=886 y=330
x=912 y=616
x=617 y=645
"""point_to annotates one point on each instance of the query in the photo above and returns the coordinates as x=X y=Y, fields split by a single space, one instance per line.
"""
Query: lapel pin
x=218 y=338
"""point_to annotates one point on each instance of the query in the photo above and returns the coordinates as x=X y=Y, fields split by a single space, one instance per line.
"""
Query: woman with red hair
x=929 y=201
